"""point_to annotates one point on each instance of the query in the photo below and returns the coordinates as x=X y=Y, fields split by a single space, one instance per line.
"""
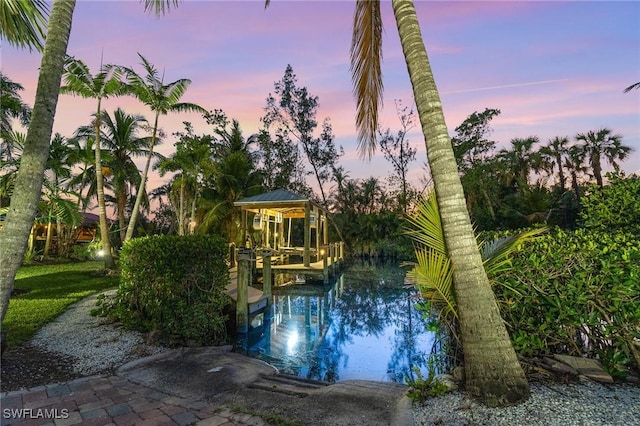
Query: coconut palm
x=79 y=81
x=22 y=23
x=22 y=28
x=493 y=373
x=84 y=158
x=59 y=208
x=161 y=99
x=122 y=141
x=9 y=163
x=11 y=106
x=602 y=143
x=192 y=163
x=19 y=220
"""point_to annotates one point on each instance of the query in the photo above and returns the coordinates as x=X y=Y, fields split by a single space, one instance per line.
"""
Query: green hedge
x=175 y=285
x=576 y=293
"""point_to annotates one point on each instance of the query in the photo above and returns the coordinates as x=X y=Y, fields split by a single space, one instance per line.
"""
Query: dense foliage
x=575 y=293
x=175 y=285
x=614 y=207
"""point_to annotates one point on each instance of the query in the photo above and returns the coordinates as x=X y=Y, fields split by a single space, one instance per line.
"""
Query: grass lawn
x=43 y=292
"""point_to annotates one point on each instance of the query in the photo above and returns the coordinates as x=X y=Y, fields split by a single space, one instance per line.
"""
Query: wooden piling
x=325 y=266
x=242 y=301
x=266 y=275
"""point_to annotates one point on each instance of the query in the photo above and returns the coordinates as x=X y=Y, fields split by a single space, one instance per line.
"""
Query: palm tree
x=520 y=160
x=632 y=87
x=23 y=27
x=121 y=140
x=22 y=23
x=84 y=158
x=553 y=155
x=493 y=373
x=192 y=162
x=59 y=209
x=9 y=163
x=160 y=98
x=575 y=164
x=11 y=106
x=80 y=82
x=19 y=220
x=603 y=143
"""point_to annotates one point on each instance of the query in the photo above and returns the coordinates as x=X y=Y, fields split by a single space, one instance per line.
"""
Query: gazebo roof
x=288 y=203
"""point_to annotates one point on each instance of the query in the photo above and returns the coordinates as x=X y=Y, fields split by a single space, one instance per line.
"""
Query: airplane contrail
x=505 y=86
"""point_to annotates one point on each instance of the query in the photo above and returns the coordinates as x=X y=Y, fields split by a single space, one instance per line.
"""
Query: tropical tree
x=399 y=153
x=59 y=208
x=234 y=175
x=575 y=164
x=11 y=107
x=84 y=158
x=122 y=141
x=553 y=157
x=22 y=23
x=9 y=163
x=471 y=145
x=519 y=161
x=493 y=373
x=161 y=99
x=81 y=82
x=474 y=154
x=21 y=28
x=294 y=112
x=24 y=202
x=603 y=143
x=192 y=165
x=280 y=163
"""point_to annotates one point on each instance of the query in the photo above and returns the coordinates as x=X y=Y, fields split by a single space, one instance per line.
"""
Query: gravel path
x=95 y=347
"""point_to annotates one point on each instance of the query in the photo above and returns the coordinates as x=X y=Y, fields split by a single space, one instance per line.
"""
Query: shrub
x=576 y=293
x=615 y=207
x=175 y=285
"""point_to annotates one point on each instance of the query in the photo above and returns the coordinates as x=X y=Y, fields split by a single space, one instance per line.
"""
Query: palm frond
x=433 y=275
x=366 y=72
x=428 y=225
x=495 y=253
x=187 y=107
x=160 y=7
x=23 y=23
x=632 y=87
x=66 y=211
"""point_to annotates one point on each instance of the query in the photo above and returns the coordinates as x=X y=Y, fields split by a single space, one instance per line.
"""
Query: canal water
x=363 y=325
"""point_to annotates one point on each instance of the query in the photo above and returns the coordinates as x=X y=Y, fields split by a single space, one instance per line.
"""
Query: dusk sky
x=552 y=68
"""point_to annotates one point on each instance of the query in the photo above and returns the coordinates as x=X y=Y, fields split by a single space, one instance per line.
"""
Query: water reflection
x=362 y=326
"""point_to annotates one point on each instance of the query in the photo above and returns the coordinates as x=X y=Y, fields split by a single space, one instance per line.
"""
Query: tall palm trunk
x=561 y=176
x=143 y=182
x=102 y=209
x=26 y=194
x=493 y=373
x=122 y=205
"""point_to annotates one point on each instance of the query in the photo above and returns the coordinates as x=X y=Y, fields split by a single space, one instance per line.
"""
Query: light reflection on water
x=362 y=326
